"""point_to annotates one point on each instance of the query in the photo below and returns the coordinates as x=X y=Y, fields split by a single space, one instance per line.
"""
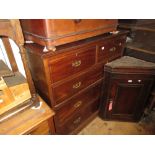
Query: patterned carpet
x=100 y=127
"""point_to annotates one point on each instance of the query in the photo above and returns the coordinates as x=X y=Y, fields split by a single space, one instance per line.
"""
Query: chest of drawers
x=54 y=32
x=70 y=80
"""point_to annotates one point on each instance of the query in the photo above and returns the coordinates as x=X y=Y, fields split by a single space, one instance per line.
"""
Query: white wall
x=4 y=57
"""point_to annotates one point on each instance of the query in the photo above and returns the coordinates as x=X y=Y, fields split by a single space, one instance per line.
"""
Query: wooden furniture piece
x=11 y=29
x=127 y=86
x=70 y=80
x=54 y=32
x=33 y=121
x=14 y=89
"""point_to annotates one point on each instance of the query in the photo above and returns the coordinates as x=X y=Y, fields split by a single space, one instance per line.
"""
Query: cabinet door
x=127 y=99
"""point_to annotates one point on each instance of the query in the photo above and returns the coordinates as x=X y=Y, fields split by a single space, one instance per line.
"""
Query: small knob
x=139 y=81
x=129 y=81
x=77 y=21
x=102 y=48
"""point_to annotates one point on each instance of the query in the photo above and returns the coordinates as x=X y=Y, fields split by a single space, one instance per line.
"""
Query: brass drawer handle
x=77 y=85
x=77 y=121
x=76 y=63
x=112 y=49
x=77 y=104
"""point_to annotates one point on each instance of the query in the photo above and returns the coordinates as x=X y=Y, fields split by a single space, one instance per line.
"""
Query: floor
x=99 y=127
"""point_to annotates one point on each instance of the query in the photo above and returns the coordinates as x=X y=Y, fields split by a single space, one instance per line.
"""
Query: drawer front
x=42 y=129
x=78 y=118
x=103 y=51
x=71 y=87
x=117 y=49
x=77 y=103
x=111 y=49
x=70 y=64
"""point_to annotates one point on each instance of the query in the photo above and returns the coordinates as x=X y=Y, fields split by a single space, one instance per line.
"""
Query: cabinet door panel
x=127 y=99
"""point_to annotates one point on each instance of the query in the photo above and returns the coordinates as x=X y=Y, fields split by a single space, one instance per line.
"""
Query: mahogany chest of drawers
x=54 y=32
x=70 y=80
x=128 y=83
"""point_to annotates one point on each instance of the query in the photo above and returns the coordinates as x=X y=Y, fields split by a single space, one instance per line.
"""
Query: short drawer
x=77 y=103
x=69 y=64
x=117 y=49
x=111 y=49
x=42 y=129
x=77 y=119
x=103 y=51
x=71 y=87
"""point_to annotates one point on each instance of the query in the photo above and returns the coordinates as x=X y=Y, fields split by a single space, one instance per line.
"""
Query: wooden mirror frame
x=12 y=29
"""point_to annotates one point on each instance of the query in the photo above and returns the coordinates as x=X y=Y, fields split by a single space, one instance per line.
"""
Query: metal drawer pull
x=78 y=120
x=112 y=49
x=77 y=104
x=129 y=81
x=120 y=44
x=77 y=85
x=76 y=63
x=102 y=48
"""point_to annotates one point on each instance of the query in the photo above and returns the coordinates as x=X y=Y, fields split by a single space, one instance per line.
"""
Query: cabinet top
x=128 y=64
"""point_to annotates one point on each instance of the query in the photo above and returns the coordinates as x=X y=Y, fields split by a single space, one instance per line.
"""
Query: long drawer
x=78 y=118
x=69 y=64
x=71 y=87
x=77 y=103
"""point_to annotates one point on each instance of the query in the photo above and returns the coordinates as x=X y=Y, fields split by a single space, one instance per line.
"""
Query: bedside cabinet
x=70 y=79
x=127 y=86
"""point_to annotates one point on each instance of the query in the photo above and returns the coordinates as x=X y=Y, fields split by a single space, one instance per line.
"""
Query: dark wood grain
x=77 y=103
x=63 y=85
x=126 y=91
x=65 y=66
x=71 y=87
x=78 y=118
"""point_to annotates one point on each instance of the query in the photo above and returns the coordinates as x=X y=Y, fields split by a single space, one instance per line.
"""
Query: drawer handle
x=130 y=81
x=120 y=44
x=112 y=49
x=77 y=85
x=77 y=104
x=76 y=63
x=77 y=121
x=102 y=48
x=77 y=21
